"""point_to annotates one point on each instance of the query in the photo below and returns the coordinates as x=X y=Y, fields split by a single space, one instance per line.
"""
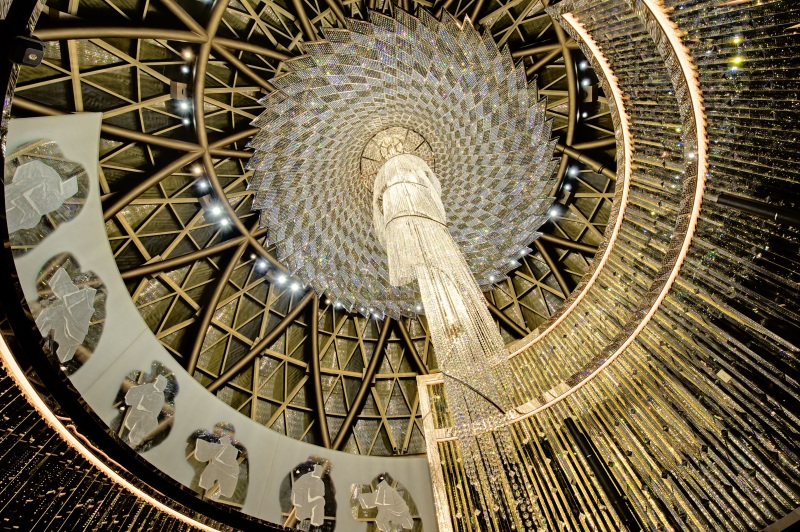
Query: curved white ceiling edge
x=127 y=344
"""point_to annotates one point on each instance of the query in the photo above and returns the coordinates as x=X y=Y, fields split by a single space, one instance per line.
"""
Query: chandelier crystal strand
x=410 y=221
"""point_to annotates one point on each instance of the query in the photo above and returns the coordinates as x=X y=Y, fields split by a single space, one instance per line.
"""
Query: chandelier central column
x=411 y=223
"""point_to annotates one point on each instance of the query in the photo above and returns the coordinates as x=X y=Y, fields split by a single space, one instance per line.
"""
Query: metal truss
x=178 y=84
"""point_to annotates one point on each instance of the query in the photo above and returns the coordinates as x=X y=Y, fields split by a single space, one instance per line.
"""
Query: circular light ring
x=453 y=86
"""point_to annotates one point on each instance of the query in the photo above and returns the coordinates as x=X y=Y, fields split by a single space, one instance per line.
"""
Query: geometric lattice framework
x=201 y=285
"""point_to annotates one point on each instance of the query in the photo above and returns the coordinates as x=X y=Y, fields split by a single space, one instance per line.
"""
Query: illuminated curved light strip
x=670 y=31
x=624 y=182
x=74 y=441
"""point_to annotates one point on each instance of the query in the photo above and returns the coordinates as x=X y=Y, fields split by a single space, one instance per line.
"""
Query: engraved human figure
x=392 y=508
x=68 y=317
x=308 y=497
x=222 y=468
x=146 y=402
x=36 y=190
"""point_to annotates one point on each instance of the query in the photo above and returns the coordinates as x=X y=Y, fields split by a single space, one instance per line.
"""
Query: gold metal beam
x=604 y=142
x=241 y=67
x=316 y=376
x=187 y=258
x=422 y=369
x=567 y=244
x=476 y=10
x=236 y=154
x=309 y=34
x=541 y=63
x=258 y=348
x=67 y=32
x=337 y=10
x=245 y=46
x=184 y=17
x=114 y=131
x=535 y=50
x=122 y=201
x=363 y=390
x=582 y=158
x=554 y=268
x=505 y=321
x=233 y=137
x=211 y=307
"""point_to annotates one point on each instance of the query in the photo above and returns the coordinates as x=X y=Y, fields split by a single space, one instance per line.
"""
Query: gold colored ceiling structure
x=202 y=287
x=673 y=352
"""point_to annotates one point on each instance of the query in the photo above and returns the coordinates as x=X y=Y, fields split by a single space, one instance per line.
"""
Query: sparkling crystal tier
x=450 y=86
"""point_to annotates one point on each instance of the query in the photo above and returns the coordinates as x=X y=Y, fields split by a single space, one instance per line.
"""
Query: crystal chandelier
x=472 y=116
x=371 y=112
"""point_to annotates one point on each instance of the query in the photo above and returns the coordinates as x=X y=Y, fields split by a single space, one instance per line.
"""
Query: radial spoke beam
x=554 y=268
x=67 y=32
x=122 y=201
x=245 y=46
x=184 y=17
x=338 y=12
x=567 y=244
x=363 y=390
x=543 y=62
x=305 y=24
x=584 y=159
x=259 y=348
x=114 y=131
x=171 y=263
x=316 y=375
x=241 y=67
x=233 y=137
x=505 y=321
x=411 y=348
x=236 y=154
x=535 y=50
x=605 y=142
x=211 y=307
x=476 y=11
